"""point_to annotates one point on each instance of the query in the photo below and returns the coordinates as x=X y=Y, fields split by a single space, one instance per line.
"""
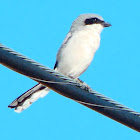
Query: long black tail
x=30 y=96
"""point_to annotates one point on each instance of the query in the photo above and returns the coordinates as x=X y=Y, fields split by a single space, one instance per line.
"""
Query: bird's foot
x=84 y=85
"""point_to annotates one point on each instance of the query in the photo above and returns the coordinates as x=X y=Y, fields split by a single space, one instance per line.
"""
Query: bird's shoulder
x=69 y=35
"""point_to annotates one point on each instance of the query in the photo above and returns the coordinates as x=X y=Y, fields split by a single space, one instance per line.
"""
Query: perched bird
x=73 y=57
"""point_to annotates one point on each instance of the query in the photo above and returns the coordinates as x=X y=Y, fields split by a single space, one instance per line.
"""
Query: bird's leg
x=85 y=85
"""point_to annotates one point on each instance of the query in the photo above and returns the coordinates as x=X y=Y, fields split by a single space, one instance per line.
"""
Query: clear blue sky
x=36 y=28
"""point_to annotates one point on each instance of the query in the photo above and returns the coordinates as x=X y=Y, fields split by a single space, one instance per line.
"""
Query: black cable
x=76 y=91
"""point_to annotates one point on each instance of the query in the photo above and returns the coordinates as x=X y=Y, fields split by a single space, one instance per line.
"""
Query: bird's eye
x=95 y=20
x=91 y=21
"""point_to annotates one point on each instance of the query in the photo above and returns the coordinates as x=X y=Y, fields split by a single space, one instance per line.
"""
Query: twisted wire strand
x=73 y=82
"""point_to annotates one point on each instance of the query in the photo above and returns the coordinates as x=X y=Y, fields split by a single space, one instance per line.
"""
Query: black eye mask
x=93 y=21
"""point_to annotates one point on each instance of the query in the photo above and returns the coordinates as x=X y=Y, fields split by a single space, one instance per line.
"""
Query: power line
x=70 y=88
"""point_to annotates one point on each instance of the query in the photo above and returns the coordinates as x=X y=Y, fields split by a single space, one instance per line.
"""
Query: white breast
x=76 y=54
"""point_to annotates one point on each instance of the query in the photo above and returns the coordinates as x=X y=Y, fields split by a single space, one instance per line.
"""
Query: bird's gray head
x=89 y=21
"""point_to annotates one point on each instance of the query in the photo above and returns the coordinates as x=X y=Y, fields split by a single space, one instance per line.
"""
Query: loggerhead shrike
x=73 y=57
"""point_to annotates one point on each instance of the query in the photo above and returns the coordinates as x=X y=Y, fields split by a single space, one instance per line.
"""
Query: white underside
x=75 y=56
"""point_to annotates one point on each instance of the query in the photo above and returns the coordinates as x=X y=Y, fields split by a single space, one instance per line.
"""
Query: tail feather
x=30 y=96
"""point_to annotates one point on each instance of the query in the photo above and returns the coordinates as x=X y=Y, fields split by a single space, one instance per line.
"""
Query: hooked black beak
x=106 y=24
